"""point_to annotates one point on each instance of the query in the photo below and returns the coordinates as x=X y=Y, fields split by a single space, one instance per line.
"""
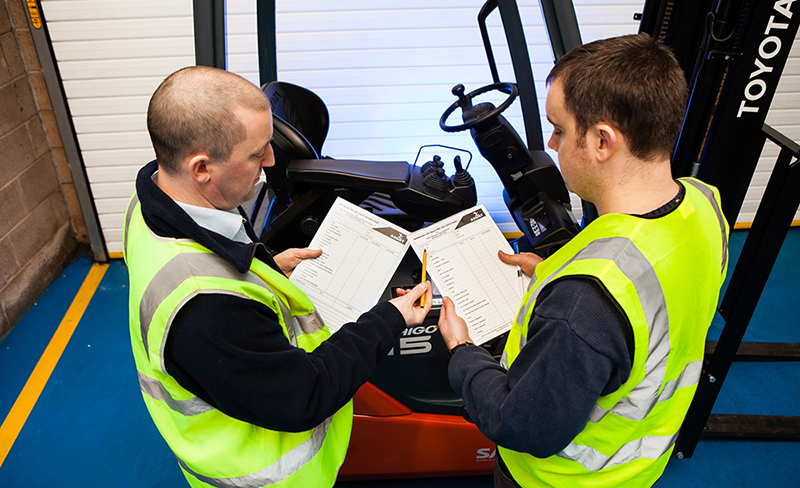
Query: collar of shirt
x=228 y=223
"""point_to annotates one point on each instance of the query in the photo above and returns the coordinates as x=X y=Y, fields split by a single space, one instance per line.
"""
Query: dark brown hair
x=631 y=82
x=194 y=110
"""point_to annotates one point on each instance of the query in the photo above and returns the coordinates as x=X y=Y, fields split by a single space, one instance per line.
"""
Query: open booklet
x=361 y=252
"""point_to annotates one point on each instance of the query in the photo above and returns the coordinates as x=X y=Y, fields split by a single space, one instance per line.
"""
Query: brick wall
x=41 y=226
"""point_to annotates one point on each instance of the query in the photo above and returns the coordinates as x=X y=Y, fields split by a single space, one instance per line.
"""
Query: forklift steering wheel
x=465 y=102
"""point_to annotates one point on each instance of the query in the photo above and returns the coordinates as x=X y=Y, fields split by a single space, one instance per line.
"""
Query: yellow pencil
x=424 y=265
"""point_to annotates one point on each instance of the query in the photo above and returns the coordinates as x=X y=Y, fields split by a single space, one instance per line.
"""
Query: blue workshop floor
x=89 y=427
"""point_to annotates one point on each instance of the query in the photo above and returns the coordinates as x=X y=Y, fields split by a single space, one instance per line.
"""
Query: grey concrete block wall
x=41 y=226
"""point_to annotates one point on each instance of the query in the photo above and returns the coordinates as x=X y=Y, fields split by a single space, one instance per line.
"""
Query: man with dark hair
x=605 y=354
x=239 y=373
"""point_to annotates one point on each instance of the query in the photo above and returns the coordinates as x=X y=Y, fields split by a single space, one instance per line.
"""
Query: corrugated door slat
x=112 y=55
x=384 y=68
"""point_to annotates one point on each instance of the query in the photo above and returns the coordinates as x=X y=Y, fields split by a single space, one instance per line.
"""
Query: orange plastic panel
x=416 y=445
x=369 y=400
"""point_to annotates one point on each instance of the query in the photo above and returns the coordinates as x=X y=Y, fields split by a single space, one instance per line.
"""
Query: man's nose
x=551 y=143
x=269 y=157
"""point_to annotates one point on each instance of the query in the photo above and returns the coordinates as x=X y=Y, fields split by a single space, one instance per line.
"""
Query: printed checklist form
x=360 y=253
x=462 y=260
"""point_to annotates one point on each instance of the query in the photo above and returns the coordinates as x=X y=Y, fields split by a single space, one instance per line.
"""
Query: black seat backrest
x=300 y=125
x=302 y=109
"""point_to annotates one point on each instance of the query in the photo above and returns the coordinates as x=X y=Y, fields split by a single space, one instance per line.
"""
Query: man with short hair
x=606 y=351
x=239 y=373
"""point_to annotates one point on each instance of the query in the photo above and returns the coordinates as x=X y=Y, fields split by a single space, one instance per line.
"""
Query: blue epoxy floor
x=89 y=427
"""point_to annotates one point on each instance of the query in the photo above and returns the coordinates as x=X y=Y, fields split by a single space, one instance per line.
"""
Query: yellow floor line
x=44 y=368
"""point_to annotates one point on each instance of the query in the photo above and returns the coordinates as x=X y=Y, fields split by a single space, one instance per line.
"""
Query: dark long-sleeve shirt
x=576 y=352
x=231 y=352
x=579 y=348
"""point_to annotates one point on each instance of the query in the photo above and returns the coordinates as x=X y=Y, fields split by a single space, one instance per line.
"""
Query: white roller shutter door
x=384 y=69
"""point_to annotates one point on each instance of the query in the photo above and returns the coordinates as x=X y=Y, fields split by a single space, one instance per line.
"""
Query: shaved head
x=193 y=111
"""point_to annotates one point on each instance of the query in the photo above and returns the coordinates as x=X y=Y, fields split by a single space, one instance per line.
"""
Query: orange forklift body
x=391 y=441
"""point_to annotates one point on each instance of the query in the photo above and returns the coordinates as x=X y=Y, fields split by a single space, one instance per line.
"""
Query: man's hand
x=290 y=258
x=406 y=303
x=527 y=261
x=453 y=328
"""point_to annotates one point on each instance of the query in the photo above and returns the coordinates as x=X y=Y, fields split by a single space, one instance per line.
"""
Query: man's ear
x=606 y=142
x=199 y=167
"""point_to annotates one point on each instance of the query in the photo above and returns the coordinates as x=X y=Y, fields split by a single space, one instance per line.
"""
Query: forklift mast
x=733 y=53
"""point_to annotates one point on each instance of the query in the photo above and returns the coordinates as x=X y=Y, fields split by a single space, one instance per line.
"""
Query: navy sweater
x=579 y=348
x=576 y=352
x=231 y=352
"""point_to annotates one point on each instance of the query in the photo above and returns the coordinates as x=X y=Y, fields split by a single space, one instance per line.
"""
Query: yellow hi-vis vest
x=212 y=448
x=666 y=274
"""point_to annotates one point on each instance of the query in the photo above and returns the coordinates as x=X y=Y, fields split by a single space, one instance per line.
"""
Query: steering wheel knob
x=465 y=102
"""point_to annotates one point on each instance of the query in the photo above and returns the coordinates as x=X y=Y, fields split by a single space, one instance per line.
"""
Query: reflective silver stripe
x=155 y=390
x=183 y=267
x=309 y=323
x=640 y=272
x=690 y=376
x=303 y=324
x=128 y=215
x=523 y=311
x=278 y=471
x=532 y=282
x=709 y=194
x=652 y=447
